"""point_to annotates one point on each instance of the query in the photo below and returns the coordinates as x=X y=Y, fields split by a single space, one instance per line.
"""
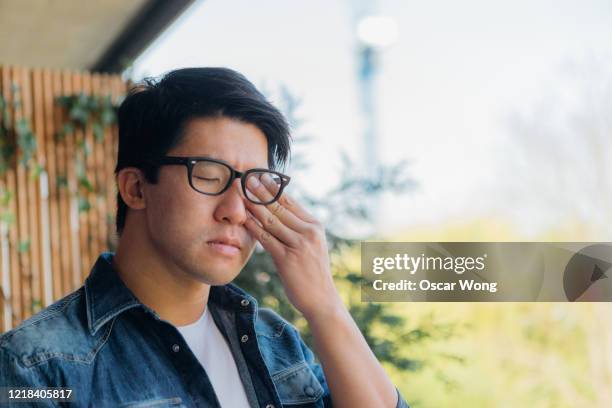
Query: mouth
x=225 y=246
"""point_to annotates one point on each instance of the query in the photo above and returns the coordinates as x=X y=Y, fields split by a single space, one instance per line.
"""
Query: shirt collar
x=105 y=293
x=106 y=296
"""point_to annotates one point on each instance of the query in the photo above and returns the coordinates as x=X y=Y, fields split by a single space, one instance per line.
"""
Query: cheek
x=177 y=211
x=250 y=243
x=249 y=246
x=162 y=217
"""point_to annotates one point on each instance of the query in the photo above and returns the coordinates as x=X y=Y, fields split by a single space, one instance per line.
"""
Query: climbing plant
x=15 y=136
x=85 y=112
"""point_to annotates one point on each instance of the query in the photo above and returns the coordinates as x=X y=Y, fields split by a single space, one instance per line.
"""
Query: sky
x=467 y=94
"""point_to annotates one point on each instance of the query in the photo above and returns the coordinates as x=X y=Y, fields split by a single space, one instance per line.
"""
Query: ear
x=130 y=182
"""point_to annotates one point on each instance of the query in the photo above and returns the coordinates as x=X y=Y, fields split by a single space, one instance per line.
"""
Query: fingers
x=287 y=202
x=265 y=192
x=274 y=225
x=295 y=208
x=267 y=240
x=276 y=208
x=262 y=187
x=285 y=219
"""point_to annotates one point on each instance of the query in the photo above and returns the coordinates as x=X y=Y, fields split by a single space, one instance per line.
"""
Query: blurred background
x=414 y=121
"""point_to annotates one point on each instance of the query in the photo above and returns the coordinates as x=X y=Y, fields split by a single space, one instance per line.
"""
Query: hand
x=297 y=243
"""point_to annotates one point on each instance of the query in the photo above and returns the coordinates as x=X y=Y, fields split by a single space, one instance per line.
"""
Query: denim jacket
x=111 y=350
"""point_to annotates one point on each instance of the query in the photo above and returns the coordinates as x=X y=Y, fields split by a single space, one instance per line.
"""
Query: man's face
x=183 y=224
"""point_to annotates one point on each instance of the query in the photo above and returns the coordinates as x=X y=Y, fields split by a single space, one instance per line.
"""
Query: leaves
x=7 y=217
x=86 y=184
x=5 y=198
x=62 y=181
x=36 y=170
x=86 y=112
x=36 y=305
x=98 y=131
x=84 y=204
x=388 y=333
x=18 y=140
x=23 y=246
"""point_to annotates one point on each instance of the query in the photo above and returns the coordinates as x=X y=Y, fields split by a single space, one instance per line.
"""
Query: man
x=158 y=323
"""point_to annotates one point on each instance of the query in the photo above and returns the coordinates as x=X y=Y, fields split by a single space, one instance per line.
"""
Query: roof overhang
x=75 y=34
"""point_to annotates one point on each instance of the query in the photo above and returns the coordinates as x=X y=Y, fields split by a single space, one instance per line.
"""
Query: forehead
x=242 y=145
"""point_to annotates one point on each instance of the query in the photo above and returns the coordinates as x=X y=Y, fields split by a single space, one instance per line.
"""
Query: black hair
x=153 y=116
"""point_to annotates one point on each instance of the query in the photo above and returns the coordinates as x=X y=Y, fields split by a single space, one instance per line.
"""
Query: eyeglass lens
x=272 y=182
x=211 y=178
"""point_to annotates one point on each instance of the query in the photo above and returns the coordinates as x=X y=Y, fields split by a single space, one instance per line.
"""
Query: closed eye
x=207 y=179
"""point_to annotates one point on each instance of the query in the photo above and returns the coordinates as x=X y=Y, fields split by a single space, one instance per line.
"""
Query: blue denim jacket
x=113 y=351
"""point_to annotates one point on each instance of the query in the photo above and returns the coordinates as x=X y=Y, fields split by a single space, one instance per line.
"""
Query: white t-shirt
x=209 y=346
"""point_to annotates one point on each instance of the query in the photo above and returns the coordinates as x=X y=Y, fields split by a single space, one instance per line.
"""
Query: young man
x=158 y=323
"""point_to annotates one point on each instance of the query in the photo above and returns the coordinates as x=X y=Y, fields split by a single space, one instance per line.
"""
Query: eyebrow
x=207 y=156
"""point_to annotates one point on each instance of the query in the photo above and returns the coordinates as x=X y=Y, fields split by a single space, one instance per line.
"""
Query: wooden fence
x=48 y=241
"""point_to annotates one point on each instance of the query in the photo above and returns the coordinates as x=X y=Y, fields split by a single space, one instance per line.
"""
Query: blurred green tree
x=388 y=333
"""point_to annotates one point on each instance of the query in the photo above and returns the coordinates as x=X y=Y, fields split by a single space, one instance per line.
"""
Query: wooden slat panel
x=21 y=196
x=41 y=205
x=72 y=86
x=64 y=190
x=5 y=281
x=90 y=216
x=52 y=125
x=63 y=243
x=79 y=245
x=102 y=180
x=33 y=199
x=25 y=274
x=11 y=185
x=109 y=152
x=118 y=89
x=108 y=164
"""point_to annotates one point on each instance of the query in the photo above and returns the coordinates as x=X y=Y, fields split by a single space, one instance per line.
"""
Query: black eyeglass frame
x=191 y=161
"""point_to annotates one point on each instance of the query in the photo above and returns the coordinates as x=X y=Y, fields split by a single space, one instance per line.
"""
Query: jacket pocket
x=297 y=385
x=175 y=402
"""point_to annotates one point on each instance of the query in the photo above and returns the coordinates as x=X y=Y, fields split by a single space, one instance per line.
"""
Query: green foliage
x=344 y=204
x=23 y=246
x=36 y=306
x=26 y=140
x=85 y=112
x=15 y=137
x=84 y=205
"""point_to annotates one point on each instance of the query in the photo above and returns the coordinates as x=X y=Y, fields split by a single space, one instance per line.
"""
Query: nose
x=231 y=205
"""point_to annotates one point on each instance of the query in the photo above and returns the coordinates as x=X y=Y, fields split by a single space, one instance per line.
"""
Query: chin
x=217 y=278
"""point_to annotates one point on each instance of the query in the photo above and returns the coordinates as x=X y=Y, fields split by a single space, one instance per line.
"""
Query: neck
x=164 y=287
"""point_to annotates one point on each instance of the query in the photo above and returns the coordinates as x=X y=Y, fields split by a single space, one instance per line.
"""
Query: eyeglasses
x=213 y=177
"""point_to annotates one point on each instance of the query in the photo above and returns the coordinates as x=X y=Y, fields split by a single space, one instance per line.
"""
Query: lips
x=225 y=246
x=225 y=241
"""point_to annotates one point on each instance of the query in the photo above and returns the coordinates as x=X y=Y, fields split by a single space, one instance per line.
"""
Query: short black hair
x=153 y=116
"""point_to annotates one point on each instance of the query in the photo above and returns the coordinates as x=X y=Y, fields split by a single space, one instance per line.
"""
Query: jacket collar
x=106 y=296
